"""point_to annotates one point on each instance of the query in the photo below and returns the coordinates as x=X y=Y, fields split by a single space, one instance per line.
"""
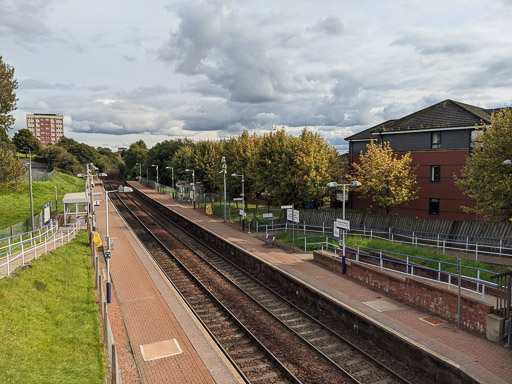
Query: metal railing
x=108 y=336
x=22 y=248
x=405 y=264
x=443 y=242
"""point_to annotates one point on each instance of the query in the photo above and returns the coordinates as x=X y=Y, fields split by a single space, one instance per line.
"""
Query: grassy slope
x=424 y=252
x=48 y=321
x=15 y=206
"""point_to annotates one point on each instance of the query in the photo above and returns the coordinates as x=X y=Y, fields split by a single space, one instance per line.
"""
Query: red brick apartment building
x=48 y=128
x=440 y=139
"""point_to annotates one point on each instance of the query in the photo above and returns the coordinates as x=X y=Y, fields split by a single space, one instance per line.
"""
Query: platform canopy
x=75 y=198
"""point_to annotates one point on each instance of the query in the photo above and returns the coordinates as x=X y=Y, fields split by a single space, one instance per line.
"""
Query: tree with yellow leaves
x=485 y=177
x=386 y=179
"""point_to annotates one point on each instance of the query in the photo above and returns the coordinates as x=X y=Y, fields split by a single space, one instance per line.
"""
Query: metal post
x=107 y=239
x=224 y=170
x=30 y=187
x=344 y=219
x=56 y=202
x=194 y=186
x=459 y=293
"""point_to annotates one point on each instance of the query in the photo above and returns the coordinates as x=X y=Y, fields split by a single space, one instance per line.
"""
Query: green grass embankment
x=423 y=253
x=15 y=206
x=48 y=320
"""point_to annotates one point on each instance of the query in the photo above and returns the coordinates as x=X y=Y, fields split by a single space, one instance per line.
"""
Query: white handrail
x=20 y=250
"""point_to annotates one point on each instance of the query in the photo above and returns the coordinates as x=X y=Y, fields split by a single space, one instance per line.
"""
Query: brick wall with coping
x=416 y=293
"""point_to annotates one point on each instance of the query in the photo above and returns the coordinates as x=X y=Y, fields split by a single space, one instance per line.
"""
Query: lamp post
x=156 y=166
x=193 y=185
x=90 y=166
x=334 y=184
x=172 y=173
x=30 y=187
x=243 y=196
x=224 y=171
x=140 y=171
x=107 y=237
x=56 y=207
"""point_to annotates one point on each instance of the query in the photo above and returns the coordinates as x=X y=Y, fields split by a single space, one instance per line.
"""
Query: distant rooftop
x=47 y=114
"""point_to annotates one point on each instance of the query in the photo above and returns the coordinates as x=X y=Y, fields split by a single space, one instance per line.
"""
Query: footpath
x=485 y=361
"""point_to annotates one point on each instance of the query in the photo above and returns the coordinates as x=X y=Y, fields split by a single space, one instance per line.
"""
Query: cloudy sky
x=121 y=70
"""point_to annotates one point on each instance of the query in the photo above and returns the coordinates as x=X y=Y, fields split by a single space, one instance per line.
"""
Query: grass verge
x=48 y=320
x=422 y=253
x=15 y=206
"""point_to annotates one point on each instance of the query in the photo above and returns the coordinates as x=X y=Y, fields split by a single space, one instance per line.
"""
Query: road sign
x=292 y=215
x=343 y=224
x=107 y=255
x=242 y=213
x=286 y=206
x=268 y=215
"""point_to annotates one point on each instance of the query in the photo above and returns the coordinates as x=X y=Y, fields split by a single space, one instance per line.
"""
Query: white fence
x=17 y=250
x=491 y=247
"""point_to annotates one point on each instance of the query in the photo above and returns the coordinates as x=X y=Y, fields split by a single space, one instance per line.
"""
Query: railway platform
x=157 y=338
x=484 y=361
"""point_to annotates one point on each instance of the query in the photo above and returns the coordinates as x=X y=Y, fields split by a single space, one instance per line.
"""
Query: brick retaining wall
x=416 y=293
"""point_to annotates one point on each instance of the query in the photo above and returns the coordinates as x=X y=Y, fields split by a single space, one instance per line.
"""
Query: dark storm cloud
x=235 y=53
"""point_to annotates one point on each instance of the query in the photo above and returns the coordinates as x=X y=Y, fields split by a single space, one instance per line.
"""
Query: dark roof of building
x=367 y=133
x=446 y=114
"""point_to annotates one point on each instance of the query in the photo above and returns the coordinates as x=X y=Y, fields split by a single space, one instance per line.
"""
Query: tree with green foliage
x=276 y=167
x=8 y=86
x=317 y=163
x=207 y=157
x=137 y=153
x=485 y=178
x=241 y=155
x=85 y=154
x=24 y=139
x=184 y=159
x=11 y=169
x=386 y=179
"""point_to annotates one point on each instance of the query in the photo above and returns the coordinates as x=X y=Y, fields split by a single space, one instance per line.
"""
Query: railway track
x=320 y=355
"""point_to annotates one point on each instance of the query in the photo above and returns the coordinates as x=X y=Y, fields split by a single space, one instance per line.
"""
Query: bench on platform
x=270 y=240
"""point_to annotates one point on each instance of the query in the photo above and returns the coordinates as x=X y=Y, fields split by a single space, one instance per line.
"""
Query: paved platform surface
x=483 y=360
x=152 y=312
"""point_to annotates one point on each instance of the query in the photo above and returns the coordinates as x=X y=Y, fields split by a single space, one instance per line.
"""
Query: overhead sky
x=122 y=70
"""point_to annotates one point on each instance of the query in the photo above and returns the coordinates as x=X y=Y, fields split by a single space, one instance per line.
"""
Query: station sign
x=242 y=213
x=292 y=215
x=238 y=199
x=343 y=224
x=268 y=215
x=286 y=206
